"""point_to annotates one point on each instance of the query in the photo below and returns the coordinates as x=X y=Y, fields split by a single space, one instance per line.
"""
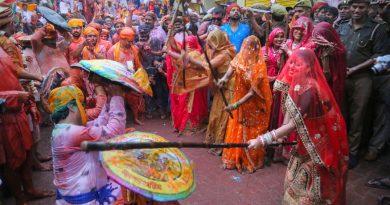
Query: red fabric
x=230 y=7
x=337 y=61
x=322 y=118
x=71 y=49
x=318 y=5
x=179 y=103
x=306 y=24
x=321 y=110
x=273 y=57
x=16 y=137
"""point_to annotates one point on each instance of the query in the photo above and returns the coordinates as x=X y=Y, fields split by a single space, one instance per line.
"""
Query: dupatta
x=310 y=104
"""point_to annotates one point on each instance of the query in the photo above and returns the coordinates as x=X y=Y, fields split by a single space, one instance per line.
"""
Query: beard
x=235 y=18
x=76 y=34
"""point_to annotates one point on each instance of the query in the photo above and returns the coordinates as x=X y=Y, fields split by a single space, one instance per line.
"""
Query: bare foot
x=138 y=122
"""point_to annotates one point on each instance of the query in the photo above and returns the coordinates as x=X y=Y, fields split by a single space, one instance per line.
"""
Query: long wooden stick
x=104 y=146
x=171 y=24
x=214 y=73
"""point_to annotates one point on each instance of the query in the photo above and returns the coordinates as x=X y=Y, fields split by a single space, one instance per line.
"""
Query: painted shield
x=160 y=174
x=54 y=18
x=113 y=71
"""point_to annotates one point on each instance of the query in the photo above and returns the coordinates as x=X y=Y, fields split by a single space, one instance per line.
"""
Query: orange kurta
x=251 y=118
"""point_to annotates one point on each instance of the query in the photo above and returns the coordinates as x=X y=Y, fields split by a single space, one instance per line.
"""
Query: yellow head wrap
x=90 y=30
x=51 y=32
x=60 y=97
x=75 y=23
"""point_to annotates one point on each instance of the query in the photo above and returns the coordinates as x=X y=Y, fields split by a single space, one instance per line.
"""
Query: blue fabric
x=102 y=195
x=237 y=37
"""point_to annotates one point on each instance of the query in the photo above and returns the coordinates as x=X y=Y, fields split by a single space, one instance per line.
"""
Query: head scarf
x=127 y=33
x=220 y=42
x=273 y=56
x=251 y=73
x=306 y=25
x=62 y=96
x=312 y=107
x=90 y=31
x=337 y=61
x=193 y=44
x=75 y=23
x=317 y=6
x=97 y=26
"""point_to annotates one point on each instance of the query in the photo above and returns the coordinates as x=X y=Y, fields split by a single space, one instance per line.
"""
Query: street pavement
x=214 y=185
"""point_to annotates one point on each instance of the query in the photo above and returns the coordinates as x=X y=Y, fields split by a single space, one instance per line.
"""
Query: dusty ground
x=217 y=186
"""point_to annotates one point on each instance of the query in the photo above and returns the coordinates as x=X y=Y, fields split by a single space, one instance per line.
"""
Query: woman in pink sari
x=189 y=110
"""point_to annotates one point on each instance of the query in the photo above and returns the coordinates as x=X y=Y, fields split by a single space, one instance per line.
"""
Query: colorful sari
x=188 y=110
x=251 y=118
x=317 y=171
x=273 y=56
x=333 y=61
x=306 y=25
x=218 y=118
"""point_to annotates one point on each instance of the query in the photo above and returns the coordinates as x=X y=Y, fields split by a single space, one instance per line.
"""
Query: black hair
x=277 y=18
x=333 y=10
x=63 y=112
x=289 y=8
x=218 y=10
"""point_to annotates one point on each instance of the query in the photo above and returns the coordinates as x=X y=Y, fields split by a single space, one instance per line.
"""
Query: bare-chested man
x=48 y=51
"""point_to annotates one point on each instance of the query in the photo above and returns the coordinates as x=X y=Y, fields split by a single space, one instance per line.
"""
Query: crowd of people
x=310 y=74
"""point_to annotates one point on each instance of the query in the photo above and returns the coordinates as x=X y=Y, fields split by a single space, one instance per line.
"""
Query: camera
x=382 y=63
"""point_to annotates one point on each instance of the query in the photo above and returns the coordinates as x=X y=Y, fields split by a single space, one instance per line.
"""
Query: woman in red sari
x=188 y=106
x=251 y=105
x=332 y=54
x=317 y=171
x=300 y=36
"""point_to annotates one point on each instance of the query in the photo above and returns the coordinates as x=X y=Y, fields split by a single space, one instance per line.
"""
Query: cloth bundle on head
x=127 y=33
x=60 y=97
x=75 y=23
x=90 y=31
x=50 y=31
x=5 y=12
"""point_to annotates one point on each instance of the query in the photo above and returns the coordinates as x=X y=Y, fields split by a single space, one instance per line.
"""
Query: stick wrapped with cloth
x=62 y=97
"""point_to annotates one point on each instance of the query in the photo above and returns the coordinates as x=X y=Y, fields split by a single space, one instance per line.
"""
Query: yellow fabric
x=90 y=31
x=141 y=77
x=60 y=97
x=75 y=23
x=50 y=31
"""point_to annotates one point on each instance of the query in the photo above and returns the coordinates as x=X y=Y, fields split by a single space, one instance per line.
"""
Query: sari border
x=302 y=131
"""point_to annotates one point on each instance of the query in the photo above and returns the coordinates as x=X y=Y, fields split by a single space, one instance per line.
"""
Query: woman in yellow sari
x=221 y=52
x=251 y=107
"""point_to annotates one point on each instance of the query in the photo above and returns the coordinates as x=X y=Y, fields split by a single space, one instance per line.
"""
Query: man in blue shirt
x=237 y=31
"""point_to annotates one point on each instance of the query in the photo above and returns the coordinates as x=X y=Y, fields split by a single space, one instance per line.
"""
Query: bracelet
x=235 y=105
x=273 y=133
x=267 y=138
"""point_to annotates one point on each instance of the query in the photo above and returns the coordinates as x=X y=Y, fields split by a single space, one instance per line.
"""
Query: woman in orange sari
x=251 y=109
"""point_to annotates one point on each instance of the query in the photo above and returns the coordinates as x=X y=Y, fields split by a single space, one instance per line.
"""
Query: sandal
x=379 y=183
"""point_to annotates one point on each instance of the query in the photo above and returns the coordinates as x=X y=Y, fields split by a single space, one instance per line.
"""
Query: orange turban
x=96 y=26
x=127 y=33
x=105 y=32
x=75 y=23
x=90 y=31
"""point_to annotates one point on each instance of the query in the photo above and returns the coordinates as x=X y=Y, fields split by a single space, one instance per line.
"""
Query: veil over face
x=306 y=24
x=310 y=104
